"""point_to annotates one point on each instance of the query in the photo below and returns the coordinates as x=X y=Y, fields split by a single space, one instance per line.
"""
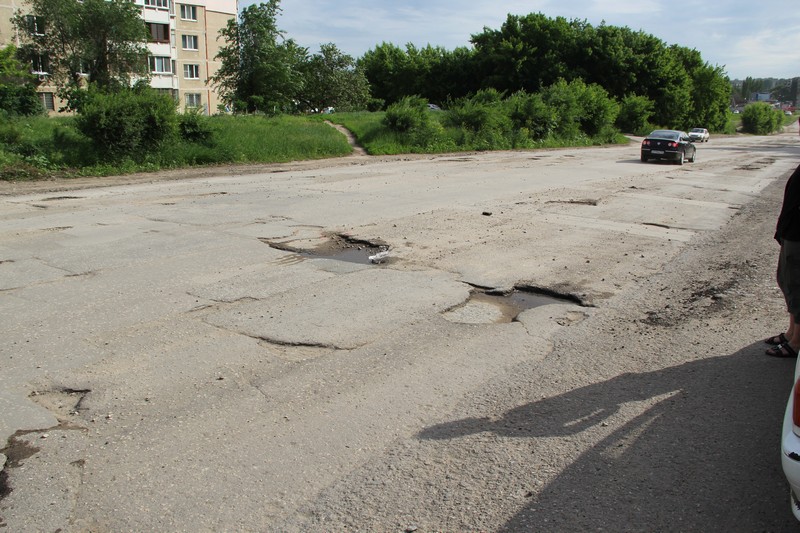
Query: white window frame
x=188 y=12
x=191 y=71
x=158 y=4
x=189 y=42
x=165 y=62
x=197 y=100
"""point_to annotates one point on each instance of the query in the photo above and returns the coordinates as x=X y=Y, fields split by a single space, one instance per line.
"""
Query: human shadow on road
x=706 y=455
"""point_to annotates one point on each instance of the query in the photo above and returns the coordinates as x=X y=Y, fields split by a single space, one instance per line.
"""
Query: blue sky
x=758 y=38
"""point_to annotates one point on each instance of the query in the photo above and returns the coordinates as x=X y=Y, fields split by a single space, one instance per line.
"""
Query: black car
x=672 y=145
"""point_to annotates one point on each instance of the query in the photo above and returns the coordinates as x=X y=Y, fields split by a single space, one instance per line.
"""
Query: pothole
x=63 y=402
x=340 y=248
x=498 y=307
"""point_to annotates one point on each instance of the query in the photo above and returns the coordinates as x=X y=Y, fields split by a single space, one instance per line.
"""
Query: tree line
x=531 y=52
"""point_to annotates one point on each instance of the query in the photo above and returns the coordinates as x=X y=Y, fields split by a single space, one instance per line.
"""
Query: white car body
x=699 y=135
x=790 y=446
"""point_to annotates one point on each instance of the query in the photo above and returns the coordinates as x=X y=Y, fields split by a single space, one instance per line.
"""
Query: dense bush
x=195 y=127
x=483 y=121
x=410 y=113
x=19 y=100
x=529 y=112
x=411 y=119
x=634 y=115
x=581 y=109
x=598 y=110
x=482 y=112
x=761 y=119
x=563 y=99
x=129 y=122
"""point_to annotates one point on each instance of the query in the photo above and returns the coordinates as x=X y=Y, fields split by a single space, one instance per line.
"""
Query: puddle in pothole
x=483 y=308
x=341 y=248
x=354 y=255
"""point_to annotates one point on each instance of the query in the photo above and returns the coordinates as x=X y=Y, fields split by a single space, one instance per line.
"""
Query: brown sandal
x=782 y=350
x=776 y=340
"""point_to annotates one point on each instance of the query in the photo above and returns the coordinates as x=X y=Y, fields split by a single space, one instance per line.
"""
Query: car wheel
x=644 y=159
x=682 y=158
x=694 y=156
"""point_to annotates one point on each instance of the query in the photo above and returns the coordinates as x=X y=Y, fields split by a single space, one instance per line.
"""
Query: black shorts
x=789 y=276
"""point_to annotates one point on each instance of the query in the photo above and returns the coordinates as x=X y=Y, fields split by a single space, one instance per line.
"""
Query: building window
x=35 y=25
x=164 y=4
x=159 y=33
x=193 y=100
x=160 y=65
x=40 y=64
x=189 y=42
x=191 y=72
x=47 y=101
x=188 y=12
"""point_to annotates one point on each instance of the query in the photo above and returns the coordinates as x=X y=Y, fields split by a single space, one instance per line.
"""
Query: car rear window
x=664 y=134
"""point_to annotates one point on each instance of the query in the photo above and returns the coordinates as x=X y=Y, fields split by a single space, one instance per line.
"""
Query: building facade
x=182 y=47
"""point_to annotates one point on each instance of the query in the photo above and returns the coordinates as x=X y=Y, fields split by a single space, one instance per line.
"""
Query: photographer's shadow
x=708 y=446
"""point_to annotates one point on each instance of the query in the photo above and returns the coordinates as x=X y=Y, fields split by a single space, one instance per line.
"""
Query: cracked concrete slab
x=347 y=312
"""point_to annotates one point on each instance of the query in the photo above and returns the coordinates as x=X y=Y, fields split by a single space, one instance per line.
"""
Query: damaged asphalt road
x=195 y=355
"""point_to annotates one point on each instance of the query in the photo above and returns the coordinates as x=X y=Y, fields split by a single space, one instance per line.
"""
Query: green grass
x=40 y=147
x=377 y=139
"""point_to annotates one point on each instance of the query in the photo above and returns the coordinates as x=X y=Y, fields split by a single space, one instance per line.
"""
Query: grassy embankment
x=41 y=147
x=377 y=139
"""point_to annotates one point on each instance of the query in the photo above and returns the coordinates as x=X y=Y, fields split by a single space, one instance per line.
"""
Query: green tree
x=786 y=91
x=332 y=79
x=17 y=89
x=528 y=52
x=710 y=91
x=103 y=40
x=634 y=114
x=751 y=86
x=388 y=69
x=761 y=119
x=260 y=70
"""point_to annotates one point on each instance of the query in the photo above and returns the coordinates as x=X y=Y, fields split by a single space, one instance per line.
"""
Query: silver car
x=790 y=444
x=699 y=135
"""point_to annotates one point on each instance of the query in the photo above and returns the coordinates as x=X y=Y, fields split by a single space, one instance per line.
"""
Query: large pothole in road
x=340 y=247
x=497 y=307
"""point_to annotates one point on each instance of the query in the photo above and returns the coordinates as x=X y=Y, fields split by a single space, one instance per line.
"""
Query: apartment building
x=182 y=47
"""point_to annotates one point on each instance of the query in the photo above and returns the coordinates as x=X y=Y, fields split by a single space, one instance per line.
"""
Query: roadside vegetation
x=567 y=114
x=39 y=147
x=529 y=84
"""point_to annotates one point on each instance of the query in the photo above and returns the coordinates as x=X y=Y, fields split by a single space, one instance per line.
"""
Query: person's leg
x=793 y=334
x=788 y=276
x=782 y=337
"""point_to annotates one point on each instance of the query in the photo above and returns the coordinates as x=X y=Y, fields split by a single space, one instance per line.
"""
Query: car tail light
x=673 y=145
x=796 y=406
x=645 y=143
